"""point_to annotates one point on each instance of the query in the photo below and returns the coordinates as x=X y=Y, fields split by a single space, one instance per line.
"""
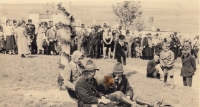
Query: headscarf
x=76 y=55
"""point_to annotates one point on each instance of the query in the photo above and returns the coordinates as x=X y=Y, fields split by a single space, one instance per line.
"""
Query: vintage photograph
x=99 y=53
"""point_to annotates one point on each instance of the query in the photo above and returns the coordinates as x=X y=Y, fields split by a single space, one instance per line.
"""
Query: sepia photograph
x=99 y=53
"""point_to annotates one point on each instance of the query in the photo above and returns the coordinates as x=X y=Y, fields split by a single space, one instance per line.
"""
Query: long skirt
x=10 y=42
x=23 y=46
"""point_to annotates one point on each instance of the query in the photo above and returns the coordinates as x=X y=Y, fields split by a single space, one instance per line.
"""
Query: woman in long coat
x=22 y=42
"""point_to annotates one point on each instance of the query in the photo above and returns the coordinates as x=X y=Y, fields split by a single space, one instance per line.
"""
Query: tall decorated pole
x=64 y=33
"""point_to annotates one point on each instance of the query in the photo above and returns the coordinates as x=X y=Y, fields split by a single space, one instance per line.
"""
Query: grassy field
x=32 y=82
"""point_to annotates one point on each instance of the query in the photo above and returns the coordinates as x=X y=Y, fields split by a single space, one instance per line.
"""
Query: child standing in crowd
x=166 y=62
x=120 y=50
x=188 y=66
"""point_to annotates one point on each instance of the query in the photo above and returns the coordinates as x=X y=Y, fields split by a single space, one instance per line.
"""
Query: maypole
x=66 y=20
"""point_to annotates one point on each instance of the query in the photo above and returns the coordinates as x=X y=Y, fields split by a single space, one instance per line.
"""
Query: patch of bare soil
x=32 y=82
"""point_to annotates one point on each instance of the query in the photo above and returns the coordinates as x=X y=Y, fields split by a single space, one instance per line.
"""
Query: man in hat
x=147 y=47
x=94 y=39
x=167 y=62
x=117 y=82
x=52 y=38
x=30 y=29
x=89 y=93
x=120 y=50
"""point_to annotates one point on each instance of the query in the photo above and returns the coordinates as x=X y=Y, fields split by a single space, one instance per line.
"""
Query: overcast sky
x=171 y=4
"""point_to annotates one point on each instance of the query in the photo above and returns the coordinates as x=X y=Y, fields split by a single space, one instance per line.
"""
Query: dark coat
x=147 y=50
x=94 y=38
x=188 y=66
x=87 y=92
x=120 y=50
x=124 y=87
x=151 y=67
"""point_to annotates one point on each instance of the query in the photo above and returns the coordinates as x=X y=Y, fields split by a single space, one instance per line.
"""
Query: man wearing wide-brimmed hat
x=188 y=66
x=120 y=50
x=167 y=62
x=117 y=84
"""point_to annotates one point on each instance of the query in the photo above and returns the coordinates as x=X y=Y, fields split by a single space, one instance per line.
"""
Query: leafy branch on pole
x=67 y=14
x=127 y=12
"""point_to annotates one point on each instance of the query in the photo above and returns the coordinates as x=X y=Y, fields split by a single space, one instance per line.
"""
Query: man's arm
x=193 y=62
x=161 y=59
x=129 y=89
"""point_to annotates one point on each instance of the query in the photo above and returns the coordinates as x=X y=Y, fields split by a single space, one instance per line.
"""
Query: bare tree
x=127 y=12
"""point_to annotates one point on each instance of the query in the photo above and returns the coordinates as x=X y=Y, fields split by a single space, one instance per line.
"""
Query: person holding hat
x=120 y=50
x=188 y=66
x=167 y=62
x=117 y=84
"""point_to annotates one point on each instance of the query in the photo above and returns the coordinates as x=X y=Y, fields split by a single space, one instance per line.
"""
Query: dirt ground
x=32 y=82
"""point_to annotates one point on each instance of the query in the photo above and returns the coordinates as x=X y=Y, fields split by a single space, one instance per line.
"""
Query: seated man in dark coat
x=118 y=82
x=89 y=94
x=153 y=68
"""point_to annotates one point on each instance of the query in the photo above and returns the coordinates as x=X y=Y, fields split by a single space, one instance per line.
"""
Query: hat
x=90 y=66
x=186 y=49
x=121 y=37
x=82 y=26
x=14 y=21
x=118 y=67
x=29 y=20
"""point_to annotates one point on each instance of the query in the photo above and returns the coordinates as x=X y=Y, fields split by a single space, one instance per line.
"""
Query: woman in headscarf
x=70 y=72
x=22 y=42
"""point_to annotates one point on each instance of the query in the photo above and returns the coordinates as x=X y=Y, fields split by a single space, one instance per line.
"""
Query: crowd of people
x=101 y=42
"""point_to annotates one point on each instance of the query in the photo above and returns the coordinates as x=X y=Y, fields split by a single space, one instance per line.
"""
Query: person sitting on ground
x=117 y=82
x=70 y=72
x=153 y=68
